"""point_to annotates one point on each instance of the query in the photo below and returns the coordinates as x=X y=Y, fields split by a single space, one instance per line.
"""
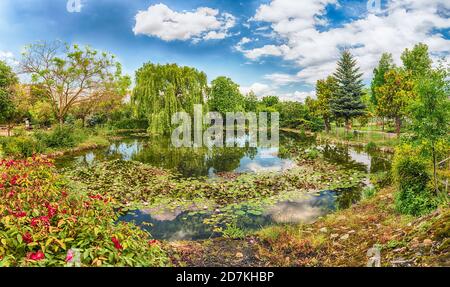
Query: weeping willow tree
x=162 y=90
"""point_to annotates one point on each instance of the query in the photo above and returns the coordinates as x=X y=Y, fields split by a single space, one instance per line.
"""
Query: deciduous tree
x=70 y=75
x=325 y=90
x=225 y=96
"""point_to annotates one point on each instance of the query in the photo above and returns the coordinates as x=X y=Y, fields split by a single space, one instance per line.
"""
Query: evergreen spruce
x=347 y=102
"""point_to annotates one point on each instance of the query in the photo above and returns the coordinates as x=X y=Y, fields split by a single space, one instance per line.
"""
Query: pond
x=181 y=224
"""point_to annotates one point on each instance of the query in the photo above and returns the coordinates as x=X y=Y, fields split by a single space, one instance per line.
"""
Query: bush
x=371 y=146
x=369 y=192
x=381 y=179
x=60 y=137
x=131 y=124
x=312 y=154
x=21 y=146
x=412 y=177
x=44 y=222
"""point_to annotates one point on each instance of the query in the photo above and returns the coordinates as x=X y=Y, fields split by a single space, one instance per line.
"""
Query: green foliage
x=369 y=192
x=131 y=124
x=325 y=90
x=43 y=218
x=431 y=109
x=21 y=146
x=346 y=102
x=386 y=64
x=162 y=90
x=7 y=105
x=42 y=113
x=381 y=179
x=371 y=146
x=270 y=101
x=60 y=137
x=71 y=75
x=225 y=96
x=412 y=178
x=395 y=95
x=312 y=154
x=251 y=102
x=291 y=114
x=232 y=231
x=417 y=61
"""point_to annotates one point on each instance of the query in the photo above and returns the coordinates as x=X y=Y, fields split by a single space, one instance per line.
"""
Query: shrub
x=232 y=231
x=381 y=179
x=371 y=146
x=312 y=154
x=412 y=177
x=60 y=137
x=22 y=146
x=43 y=220
x=369 y=192
x=131 y=124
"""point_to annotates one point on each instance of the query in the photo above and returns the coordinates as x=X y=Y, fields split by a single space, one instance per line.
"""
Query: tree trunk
x=382 y=124
x=398 y=125
x=347 y=125
x=436 y=189
x=327 y=126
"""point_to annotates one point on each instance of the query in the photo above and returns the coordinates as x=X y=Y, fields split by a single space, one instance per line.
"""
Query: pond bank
x=339 y=239
x=329 y=139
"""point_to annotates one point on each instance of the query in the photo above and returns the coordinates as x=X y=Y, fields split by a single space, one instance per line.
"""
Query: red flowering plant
x=43 y=217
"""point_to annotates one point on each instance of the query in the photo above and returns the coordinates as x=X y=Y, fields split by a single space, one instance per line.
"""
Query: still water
x=185 y=225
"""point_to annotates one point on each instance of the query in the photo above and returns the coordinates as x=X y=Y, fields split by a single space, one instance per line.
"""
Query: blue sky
x=270 y=46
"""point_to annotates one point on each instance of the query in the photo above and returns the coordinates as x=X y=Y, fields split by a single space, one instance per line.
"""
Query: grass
x=53 y=143
x=343 y=238
x=339 y=239
x=379 y=139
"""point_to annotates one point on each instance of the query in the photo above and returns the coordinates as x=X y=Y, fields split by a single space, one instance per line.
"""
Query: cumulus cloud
x=307 y=39
x=259 y=89
x=262 y=90
x=8 y=57
x=297 y=96
x=282 y=79
x=201 y=24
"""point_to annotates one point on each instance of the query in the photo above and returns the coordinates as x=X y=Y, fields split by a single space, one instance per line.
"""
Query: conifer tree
x=347 y=102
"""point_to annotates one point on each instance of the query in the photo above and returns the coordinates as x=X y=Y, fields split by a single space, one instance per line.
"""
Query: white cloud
x=259 y=89
x=8 y=57
x=282 y=79
x=403 y=24
x=266 y=50
x=297 y=96
x=262 y=90
x=201 y=24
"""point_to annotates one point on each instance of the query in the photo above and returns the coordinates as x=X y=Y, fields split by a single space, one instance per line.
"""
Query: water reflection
x=175 y=225
x=356 y=158
x=188 y=162
x=182 y=225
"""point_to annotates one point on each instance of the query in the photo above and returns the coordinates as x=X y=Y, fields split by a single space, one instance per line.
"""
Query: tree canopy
x=70 y=74
x=225 y=96
x=325 y=91
x=346 y=102
x=162 y=90
x=8 y=108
